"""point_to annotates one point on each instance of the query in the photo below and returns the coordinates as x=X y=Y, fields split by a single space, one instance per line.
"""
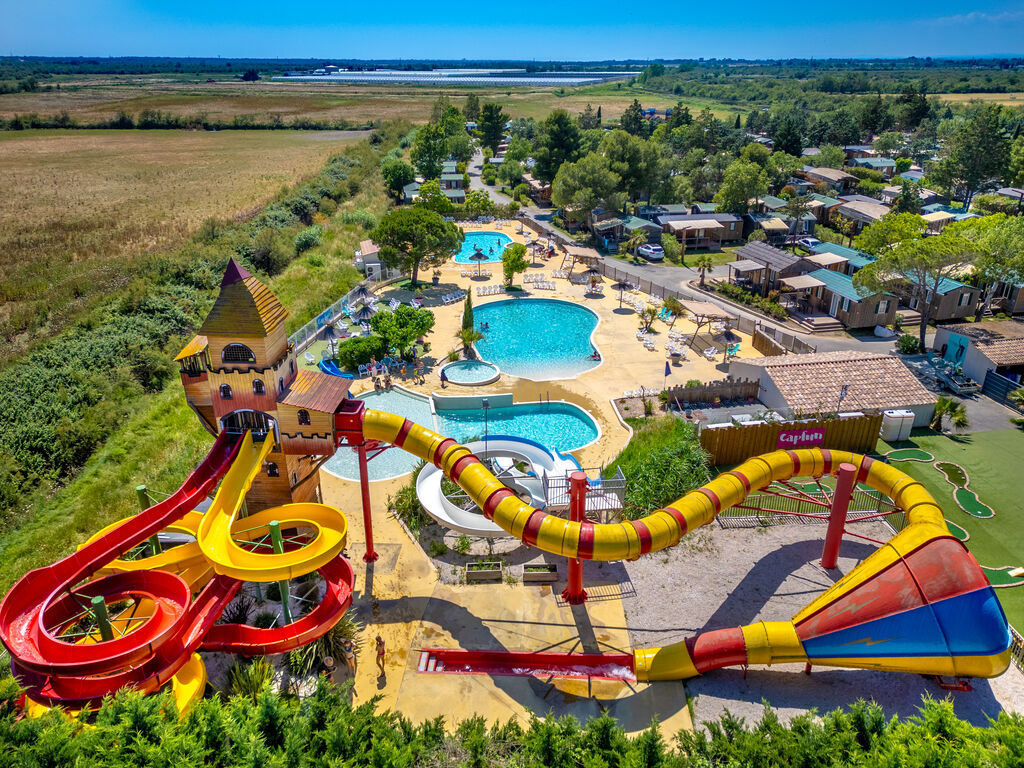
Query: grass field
x=1006 y=99
x=88 y=202
x=99 y=99
x=992 y=461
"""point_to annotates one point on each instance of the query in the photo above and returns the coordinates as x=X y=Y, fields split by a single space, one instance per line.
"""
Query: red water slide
x=46 y=602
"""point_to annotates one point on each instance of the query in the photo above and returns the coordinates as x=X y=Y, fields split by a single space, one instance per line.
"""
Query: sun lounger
x=394 y=304
x=363 y=370
x=309 y=358
x=711 y=353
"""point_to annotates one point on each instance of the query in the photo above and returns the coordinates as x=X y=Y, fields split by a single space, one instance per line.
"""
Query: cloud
x=980 y=17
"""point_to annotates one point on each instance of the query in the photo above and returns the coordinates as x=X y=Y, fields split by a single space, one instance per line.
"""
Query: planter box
x=484 y=571
x=542 y=573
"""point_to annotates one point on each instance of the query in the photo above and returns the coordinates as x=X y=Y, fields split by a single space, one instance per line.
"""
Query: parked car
x=651 y=252
x=808 y=242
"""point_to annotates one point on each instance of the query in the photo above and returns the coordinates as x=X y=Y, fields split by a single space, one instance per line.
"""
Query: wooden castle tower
x=240 y=373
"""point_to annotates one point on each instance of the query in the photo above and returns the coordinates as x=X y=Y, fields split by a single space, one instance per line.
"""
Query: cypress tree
x=467 y=313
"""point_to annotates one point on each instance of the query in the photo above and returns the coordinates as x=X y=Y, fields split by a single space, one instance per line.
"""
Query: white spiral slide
x=543 y=462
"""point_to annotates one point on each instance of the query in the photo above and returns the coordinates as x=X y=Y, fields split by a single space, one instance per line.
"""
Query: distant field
x=87 y=202
x=1007 y=99
x=93 y=100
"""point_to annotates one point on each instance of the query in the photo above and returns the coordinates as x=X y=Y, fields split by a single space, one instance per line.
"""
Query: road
x=473 y=168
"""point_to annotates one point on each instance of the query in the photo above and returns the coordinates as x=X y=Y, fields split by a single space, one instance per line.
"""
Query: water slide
x=543 y=461
x=920 y=603
x=157 y=623
x=330 y=367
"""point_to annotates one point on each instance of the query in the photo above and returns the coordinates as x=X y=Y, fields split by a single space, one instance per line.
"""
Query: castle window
x=303 y=417
x=295 y=478
x=225 y=392
x=237 y=353
x=280 y=386
x=291 y=366
x=258 y=388
x=272 y=469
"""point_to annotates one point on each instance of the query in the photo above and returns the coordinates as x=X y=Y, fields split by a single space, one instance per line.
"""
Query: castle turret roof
x=245 y=306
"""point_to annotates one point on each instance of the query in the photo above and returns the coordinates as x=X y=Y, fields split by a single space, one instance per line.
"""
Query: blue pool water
x=491 y=243
x=539 y=339
x=561 y=426
x=470 y=372
x=393 y=461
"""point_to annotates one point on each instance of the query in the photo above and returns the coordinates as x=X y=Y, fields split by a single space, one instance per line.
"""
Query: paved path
x=474 y=168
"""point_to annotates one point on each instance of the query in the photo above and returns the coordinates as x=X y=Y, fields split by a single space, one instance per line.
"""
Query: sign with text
x=800 y=438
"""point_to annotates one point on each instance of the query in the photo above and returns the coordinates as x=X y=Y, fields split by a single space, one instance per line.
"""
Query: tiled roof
x=244 y=307
x=315 y=391
x=812 y=383
x=767 y=255
x=868 y=212
x=831 y=174
x=1001 y=341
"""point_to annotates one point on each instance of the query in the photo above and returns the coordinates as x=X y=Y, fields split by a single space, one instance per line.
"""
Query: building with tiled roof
x=978 y=348
x=239 y=374
x=812 y=384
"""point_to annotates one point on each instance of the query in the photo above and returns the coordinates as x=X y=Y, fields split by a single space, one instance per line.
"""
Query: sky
x=523 y=30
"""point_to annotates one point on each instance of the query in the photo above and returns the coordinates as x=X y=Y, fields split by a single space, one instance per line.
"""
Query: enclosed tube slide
x=157 y=635
x=918 y=604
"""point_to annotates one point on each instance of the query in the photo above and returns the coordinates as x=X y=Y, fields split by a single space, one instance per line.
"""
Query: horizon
x=263 y=30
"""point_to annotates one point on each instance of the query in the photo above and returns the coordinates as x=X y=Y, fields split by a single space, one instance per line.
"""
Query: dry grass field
x=87 y=202
x=1006 y=99
x=99 y=100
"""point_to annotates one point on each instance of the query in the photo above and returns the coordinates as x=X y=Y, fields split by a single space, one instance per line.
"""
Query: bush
x=908 y=344
x=406 y=505
x=265 y=619
x=359 y=217
x=742 y=296
x=662 y=462
x=355 y=352
x=308 y=238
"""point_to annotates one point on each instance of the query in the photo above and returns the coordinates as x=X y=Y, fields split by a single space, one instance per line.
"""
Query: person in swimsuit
x=380 y=654
x=348 y=649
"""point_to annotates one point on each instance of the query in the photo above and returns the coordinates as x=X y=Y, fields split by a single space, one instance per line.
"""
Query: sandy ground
x=721 y=578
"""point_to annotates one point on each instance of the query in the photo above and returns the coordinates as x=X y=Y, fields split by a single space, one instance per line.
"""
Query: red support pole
x=364 y=485
x=574 y=594
x=845 y=481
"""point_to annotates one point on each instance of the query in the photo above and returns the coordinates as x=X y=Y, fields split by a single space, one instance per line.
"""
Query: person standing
x=348 y=650
x=380 y=654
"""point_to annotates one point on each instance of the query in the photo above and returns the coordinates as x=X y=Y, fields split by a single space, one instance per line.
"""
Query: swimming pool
x=471 y=372
x=558 y=425
x=539 y=339
x=491 y=243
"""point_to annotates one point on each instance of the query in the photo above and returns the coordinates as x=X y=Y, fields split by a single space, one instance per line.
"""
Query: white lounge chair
x=309 y=358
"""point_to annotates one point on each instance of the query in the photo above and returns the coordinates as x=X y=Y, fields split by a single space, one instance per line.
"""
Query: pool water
x=470 y=372
x=561 y=426
x=394 y=461
x=492 y=244
x=539 y=339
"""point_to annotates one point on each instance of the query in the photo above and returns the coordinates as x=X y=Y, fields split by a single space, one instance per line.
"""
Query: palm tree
x=672 y=305
x=635 y=240
x=468 y=337
x=1017 y=397
x=647 y=317
x=704 y=264
x=954 y=410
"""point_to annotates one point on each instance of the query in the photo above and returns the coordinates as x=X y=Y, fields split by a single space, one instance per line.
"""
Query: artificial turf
x=995 y=465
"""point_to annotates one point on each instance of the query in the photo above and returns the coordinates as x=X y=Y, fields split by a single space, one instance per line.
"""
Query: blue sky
x=596 y=29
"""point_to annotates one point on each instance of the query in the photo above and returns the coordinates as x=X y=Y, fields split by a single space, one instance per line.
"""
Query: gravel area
x=718 y=578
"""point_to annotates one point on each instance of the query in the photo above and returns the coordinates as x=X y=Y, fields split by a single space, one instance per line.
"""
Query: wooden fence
x=708 y=392
x=766 y=345
x=734 y=444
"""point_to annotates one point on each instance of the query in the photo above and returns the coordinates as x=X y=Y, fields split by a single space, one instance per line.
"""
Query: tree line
x=154 y=119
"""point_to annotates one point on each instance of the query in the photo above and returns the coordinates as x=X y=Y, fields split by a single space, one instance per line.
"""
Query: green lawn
x=993 y=461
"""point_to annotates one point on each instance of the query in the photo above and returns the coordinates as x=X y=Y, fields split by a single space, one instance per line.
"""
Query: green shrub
x=662 y=461
x=355 y=352
x=249 y=678
x=305 y=659
x=764 y=303
x=308 y=238
x=359 y=217
x=265 y=620
x=406 y=506
x=463 y=544
x=908 y=344
x=437 y=548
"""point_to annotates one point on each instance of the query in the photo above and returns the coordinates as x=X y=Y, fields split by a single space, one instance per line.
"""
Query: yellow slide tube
x=220 y=526
x=662 y=528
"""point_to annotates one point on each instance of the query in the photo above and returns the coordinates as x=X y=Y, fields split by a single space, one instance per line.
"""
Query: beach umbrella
x=361 y=293
x=479 y=257
x=364 y=313
x=593 y=273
